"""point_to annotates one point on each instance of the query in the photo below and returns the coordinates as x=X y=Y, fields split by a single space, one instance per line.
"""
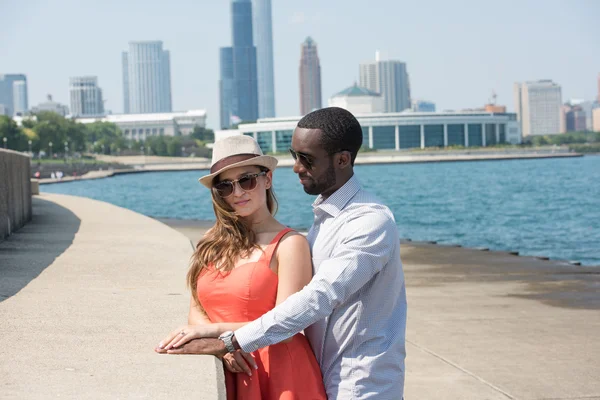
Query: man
x=354 y=309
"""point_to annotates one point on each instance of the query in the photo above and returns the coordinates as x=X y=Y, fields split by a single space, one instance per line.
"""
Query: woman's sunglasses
x=247 y=183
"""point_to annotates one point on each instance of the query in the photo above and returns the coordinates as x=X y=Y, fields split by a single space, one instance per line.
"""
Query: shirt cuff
x=251 y=337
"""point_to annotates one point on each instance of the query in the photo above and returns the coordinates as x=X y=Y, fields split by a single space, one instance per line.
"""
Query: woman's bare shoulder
x=292 y=243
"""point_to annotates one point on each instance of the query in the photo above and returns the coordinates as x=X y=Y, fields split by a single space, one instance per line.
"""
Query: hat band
x=227 y=161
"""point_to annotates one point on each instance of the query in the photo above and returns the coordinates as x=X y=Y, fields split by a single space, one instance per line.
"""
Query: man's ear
x=344 y=159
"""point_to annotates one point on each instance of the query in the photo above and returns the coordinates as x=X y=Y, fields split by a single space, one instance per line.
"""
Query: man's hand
x=208 y=346
x=239 y=361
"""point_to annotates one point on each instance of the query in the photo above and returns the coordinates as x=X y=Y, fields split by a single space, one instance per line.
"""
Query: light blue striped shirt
x=354 y=309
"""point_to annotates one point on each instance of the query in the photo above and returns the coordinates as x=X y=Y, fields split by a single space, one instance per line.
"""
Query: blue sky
x=456 y=52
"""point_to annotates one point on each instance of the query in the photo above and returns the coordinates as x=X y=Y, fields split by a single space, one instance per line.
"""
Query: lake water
x=547 y=207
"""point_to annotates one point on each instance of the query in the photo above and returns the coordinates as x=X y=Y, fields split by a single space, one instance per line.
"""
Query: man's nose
x=298 y=167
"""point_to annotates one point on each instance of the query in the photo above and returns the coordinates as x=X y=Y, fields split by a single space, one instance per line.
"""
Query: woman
x=246 y=264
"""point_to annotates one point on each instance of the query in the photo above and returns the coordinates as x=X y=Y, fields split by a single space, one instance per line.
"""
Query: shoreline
x=363 y=159
x=194 y=229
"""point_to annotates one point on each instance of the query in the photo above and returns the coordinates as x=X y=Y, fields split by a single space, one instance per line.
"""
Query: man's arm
x=369 y=240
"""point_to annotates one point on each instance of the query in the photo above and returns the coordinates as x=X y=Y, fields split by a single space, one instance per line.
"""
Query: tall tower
x=244 y=61
x=146 y=78
x=13 y=94
x=238 y=87
x=539 y=107
x=263 y=38
x=390 y=79
x=310 y=78
x=86 y=97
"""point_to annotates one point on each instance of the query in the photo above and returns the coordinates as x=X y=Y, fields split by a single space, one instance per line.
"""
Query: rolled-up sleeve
x=368 y=241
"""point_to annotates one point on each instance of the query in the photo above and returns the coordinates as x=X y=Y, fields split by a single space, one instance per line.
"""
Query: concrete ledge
x=87 y=291
x=15 y=191
x=35 y=187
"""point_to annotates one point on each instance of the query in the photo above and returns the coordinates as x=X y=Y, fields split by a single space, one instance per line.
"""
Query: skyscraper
x=86 y=97
x=310 y=77
x=226 y=87
x=242 y=58
x=390 y=79
x=263 y=38
x=20 y=101
x=538 y=106
x=146 y=78
x=8 y=84
x=598 y=99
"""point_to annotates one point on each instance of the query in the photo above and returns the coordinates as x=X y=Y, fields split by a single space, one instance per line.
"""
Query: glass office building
x=402 y=131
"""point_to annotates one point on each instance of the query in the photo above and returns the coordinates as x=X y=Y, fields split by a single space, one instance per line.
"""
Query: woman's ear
x=269 y=179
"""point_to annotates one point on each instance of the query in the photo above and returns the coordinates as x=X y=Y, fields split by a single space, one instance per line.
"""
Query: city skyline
x=471 y=68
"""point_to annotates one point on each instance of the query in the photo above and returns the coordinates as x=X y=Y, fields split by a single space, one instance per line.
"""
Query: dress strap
x=270 y=250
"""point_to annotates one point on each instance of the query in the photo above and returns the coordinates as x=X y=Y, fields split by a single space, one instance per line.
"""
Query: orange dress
x=286 y=371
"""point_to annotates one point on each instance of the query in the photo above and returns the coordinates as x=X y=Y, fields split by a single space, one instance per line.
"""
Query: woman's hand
x=185 y=333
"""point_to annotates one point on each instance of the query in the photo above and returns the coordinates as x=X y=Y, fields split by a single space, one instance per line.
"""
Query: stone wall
x=15 y=191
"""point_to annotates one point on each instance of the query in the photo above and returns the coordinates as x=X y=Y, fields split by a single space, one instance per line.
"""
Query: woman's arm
x=294 y=266
x=294 y=271
x=197 y=315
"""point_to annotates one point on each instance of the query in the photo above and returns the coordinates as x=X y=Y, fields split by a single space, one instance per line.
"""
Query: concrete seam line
x=462 y=369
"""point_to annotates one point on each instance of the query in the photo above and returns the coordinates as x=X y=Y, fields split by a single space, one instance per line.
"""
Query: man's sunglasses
x=247 y=183
x=305 y=160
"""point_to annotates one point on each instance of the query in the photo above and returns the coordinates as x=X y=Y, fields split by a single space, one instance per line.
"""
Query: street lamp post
x=29 y=145
x=5 y=139
x=66 y=149
x=50 y=144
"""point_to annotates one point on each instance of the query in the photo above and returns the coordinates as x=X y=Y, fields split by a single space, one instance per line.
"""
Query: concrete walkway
x=493 y=326
x=86 y=292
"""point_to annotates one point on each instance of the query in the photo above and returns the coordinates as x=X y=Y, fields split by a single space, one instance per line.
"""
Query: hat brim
x=268 y=162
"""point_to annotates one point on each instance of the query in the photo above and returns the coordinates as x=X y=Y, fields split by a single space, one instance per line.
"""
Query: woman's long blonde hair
x=229 y=239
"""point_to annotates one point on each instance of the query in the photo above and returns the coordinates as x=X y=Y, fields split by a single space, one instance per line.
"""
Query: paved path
x=86 y=291
x=493 y=326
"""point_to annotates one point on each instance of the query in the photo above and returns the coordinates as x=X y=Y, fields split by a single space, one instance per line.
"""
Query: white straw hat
x=236 y=151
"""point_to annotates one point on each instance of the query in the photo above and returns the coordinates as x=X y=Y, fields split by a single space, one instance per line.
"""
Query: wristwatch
x=226 y=338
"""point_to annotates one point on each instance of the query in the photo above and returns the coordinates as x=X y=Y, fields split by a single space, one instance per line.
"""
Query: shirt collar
x=335 y=203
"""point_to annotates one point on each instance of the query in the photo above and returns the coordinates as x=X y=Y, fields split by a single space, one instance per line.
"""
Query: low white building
x=399 y=131
x=51 y=106
x=357 y=100
x=142 y=126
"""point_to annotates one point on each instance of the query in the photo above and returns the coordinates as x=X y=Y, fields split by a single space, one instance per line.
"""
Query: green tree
x=174 y=146
x=15 y=138
x=203 y=134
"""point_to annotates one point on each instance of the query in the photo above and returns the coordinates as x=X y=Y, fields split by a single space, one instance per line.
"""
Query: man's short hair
x=341 y=130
